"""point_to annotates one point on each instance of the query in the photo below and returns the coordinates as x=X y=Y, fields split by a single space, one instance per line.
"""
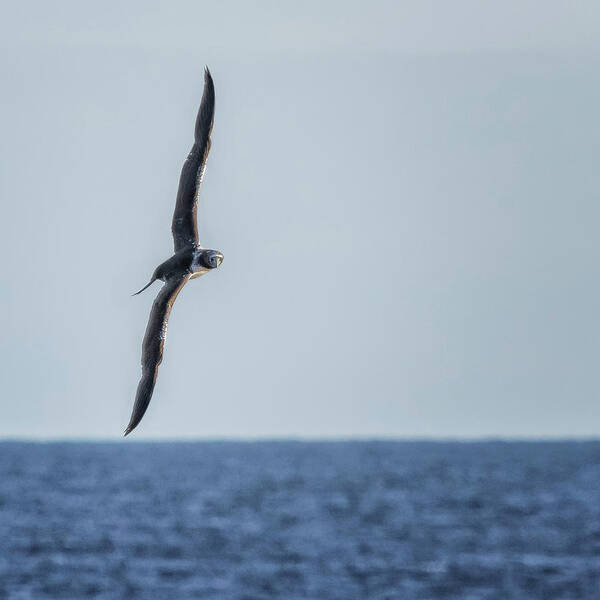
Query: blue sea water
x=291 y=520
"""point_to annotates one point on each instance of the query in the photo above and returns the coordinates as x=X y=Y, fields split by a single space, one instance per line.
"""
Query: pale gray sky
x=407 y=195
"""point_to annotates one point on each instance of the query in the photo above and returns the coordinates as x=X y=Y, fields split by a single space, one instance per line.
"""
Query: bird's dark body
x=190 y=260
x=178 y=263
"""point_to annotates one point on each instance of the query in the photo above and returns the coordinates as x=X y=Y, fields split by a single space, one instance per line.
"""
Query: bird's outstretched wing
x=184 y=227
x=153 y=345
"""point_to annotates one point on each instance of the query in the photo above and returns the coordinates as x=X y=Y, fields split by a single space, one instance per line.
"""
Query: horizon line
x=305 y=439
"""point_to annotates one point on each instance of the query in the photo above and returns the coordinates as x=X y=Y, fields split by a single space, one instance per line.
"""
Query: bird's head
x=211 y=259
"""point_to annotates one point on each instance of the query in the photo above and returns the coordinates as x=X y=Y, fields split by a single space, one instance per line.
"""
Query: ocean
x=291 y=520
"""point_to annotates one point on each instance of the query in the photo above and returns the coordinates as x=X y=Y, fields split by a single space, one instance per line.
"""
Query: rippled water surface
x=364 y=520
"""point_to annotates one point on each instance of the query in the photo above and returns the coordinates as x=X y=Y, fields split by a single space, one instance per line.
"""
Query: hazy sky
x=407 y=195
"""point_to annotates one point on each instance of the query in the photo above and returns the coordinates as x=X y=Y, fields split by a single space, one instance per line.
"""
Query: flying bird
x=190 y=259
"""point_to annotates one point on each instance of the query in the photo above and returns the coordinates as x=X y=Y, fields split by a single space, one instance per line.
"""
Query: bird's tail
x=146 y=286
